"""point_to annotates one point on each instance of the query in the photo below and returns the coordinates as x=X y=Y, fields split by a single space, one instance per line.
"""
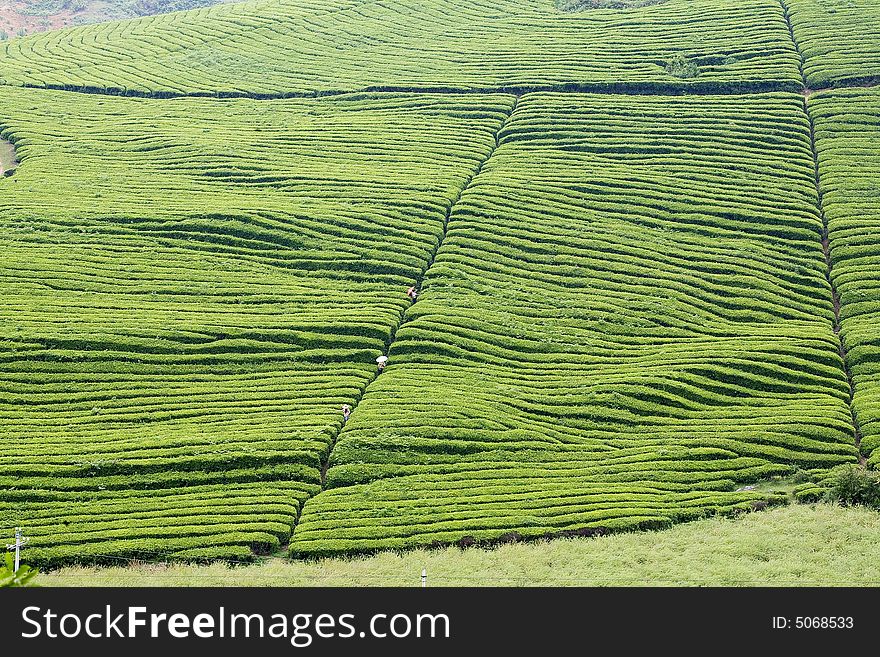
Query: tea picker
x=381 y=361
x=346 y=413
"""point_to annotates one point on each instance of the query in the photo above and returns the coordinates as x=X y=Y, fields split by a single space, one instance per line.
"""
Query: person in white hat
x=381 y=361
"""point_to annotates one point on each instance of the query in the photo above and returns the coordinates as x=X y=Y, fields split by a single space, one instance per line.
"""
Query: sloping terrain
x=840 y=40
x=279 y=47
x=755 y=549
x=22 y=17
x=847 y=134
x=645 y=271
x=628 y=315
x=191 y=289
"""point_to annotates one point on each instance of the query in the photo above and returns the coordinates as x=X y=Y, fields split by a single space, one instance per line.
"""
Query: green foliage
x=45 y=7
x=216 y=294
x=855 y=485
x=840 y=40
x=755 y=549
x=628 y=317
x=847 y=128
x=132 y=8
x=681 y=67
x=606 y=339
x=314 y=46
x=10 y=577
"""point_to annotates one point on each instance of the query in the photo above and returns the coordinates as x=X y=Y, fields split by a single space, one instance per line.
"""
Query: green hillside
x=278 y=47
x=629 y=314
x=193 y=288
x=840 y=40
x=848 y=130
x=644 y=244
x=789 y=546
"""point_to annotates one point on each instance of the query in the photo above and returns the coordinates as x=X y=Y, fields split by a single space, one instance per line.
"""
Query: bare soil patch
x=8 y=158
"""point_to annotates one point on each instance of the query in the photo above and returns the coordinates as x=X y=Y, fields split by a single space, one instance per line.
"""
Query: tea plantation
x=628 y=314
x=191 y=289
x=277 y=47
x=848 y=129
x=840 y=40
x=644 y=242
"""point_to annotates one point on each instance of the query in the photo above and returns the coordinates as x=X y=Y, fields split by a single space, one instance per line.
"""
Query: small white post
x=19 y=542
x=424 y=577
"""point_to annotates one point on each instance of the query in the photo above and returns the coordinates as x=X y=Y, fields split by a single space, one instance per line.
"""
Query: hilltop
x=22 y=17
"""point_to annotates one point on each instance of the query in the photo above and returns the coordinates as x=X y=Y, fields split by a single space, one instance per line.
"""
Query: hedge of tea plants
x=839 y=39
x=189 y=291
x=628 y=322
x=275 y=47
x=847 y=129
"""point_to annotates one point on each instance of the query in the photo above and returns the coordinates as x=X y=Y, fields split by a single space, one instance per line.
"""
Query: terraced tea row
x=847 y=125
x=839 y=39
x=275 y=47
x=196 y=521
x=189 y=291
x=628 y=320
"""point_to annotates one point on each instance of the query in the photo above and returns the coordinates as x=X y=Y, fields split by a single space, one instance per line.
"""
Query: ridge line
x=826 y=242
x=325 y=466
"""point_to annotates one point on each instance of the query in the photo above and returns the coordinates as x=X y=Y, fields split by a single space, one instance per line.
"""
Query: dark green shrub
x=855 y=485
x=681 y=67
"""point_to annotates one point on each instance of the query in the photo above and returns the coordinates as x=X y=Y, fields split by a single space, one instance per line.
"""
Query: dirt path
x=8 y=158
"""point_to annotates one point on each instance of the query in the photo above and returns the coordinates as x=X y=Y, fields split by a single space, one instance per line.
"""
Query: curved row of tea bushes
x=222 y=521
x=839 y=39
x=190 y=289
x=847 y=125
x=274 y=47
x=628 y=320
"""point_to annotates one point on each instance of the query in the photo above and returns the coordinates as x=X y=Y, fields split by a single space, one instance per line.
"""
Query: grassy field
x=789 y=546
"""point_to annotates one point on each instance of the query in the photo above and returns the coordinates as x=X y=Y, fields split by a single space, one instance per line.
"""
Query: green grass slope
x=629 y=318
x=789 y=546
x=280 y=46
x=190 y=291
